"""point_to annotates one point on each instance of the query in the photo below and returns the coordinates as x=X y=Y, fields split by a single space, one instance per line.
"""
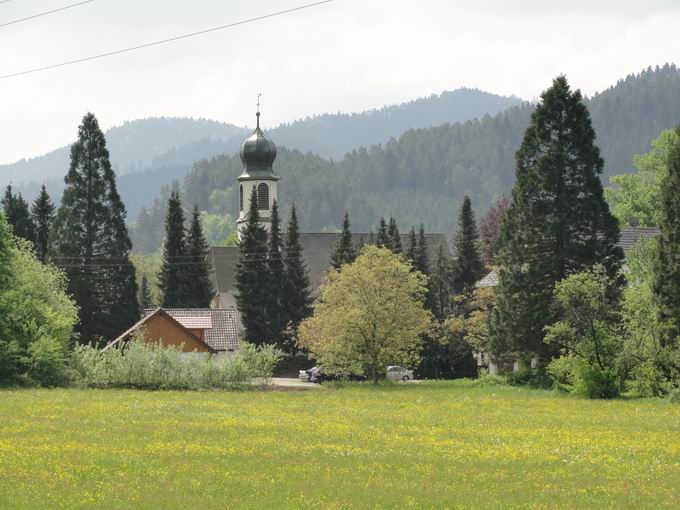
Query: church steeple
x=257 y=154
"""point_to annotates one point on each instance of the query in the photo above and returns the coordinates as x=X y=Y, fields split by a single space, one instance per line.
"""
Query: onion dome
x=258 y=153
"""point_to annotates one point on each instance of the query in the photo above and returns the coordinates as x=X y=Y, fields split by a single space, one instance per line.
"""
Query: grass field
x=432 y=445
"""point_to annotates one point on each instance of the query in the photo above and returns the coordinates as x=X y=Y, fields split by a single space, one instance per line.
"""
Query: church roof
x=257 y=154
x=316 y=250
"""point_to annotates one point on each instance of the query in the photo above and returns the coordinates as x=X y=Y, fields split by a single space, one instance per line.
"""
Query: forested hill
x=134 y=147
x=158 y=150
x=334 y=135
x=423 y=175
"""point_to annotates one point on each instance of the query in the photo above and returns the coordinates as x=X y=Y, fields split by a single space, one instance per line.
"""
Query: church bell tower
x=257 y=154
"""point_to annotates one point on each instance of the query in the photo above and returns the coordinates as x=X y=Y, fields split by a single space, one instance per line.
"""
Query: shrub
x=534 y=377
x=674 y=396
x=486 y=379
x=47 y=363
x=561 y=371
x=153 y=366
x=593 y=382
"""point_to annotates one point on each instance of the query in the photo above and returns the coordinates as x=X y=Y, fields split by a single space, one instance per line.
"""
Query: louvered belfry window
x=240 y=197
x=263 y=197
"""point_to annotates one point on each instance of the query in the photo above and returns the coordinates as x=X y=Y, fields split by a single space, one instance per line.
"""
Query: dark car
x=316 y=375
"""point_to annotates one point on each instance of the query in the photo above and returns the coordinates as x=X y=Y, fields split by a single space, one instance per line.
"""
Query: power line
x=163 y=41
x=44 y=13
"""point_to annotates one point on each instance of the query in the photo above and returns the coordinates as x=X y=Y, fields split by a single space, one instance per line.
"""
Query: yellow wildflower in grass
x=431 y=445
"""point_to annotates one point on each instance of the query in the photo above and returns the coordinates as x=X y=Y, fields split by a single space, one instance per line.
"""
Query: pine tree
x=468 y=267
x=276 y=313
x=146 y=300
x=198 y=271
x=558 y=223
x=251 y=275
x=90 y=241
x=383 y=239
x=344 y=252
x=412 y=247
x=43 y=217
x=440 y=288
x=393 y=234
x=666 y=283
x=298 y=298
x=173 y=280
x=421 y=262
x=17 y=215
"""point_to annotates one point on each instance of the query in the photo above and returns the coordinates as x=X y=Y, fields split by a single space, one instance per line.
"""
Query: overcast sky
x=347 y=55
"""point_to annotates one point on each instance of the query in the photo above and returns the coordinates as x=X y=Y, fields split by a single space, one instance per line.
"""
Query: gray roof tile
x=224 y=334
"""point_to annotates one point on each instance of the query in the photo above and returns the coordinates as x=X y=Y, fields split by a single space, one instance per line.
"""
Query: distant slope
x=133 y=146
x=174 y=144
x=424 y=174
x=334 y=135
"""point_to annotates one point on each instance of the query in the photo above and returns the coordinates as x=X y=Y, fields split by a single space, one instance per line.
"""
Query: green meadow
x=429 y=445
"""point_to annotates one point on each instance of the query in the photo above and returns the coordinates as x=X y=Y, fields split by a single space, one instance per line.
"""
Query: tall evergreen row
x=184 y=279
x=271 y=279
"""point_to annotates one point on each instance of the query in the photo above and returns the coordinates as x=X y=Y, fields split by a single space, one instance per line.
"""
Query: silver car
x=395 y=373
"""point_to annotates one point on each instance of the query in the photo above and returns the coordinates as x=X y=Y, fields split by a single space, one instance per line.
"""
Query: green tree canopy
x=369 y=315
x=90 y=241
x=557 y=224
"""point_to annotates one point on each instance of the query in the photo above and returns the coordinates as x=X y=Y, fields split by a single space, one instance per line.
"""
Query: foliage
x=297 y=295
x=557 y=224
x=472 y=318
x=666 y=280
x=146 y=300
x=274 y=314
x=468 y=267
x=440 y=285
x=17 y=215
x=145 y=365
x=218 y=228
x=43 y=214
x=173 y=279
x=198 y=268
x=587 y=332
x=251 y=276
x=635 y=199
x=37 y=317
x=89 y=240
x=489 y=228
x=344 y=251
x=369 y=315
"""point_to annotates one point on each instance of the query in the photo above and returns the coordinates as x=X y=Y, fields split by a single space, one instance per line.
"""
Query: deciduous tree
x=369 y=315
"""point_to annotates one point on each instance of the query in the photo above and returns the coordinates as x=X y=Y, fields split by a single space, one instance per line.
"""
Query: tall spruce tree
x=173 y=280
x=90 y=241
x=468 y=267
x=558 y=222
x=383 y=239
x=198 y=271
x=344 y=252
x=298 y=298
x=666 y=283
x=412 y=247
x=43 y=214
x=440 y=286
x=252 y=270
x=17 y=215
x=393 y=234
x=421 y=262
x=276 y=313
x=146 y=300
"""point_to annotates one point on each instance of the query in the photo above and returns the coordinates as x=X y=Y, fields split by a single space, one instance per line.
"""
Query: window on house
x=263 y=196
x=240 y=198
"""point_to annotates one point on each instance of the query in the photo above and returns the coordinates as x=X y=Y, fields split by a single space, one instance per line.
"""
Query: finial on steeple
x=258 y=110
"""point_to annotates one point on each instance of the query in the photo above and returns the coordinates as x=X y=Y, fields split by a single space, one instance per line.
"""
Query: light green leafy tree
x=369 y=315
x=635 y=199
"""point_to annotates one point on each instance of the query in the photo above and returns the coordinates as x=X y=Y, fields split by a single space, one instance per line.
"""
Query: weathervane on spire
x=258 y=109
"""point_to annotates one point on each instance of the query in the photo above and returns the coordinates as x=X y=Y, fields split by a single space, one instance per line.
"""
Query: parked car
x=306 y=375
x=396 y=373
x=316 y=375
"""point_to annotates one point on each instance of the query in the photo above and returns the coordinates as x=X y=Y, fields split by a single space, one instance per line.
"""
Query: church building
x=258 y=154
